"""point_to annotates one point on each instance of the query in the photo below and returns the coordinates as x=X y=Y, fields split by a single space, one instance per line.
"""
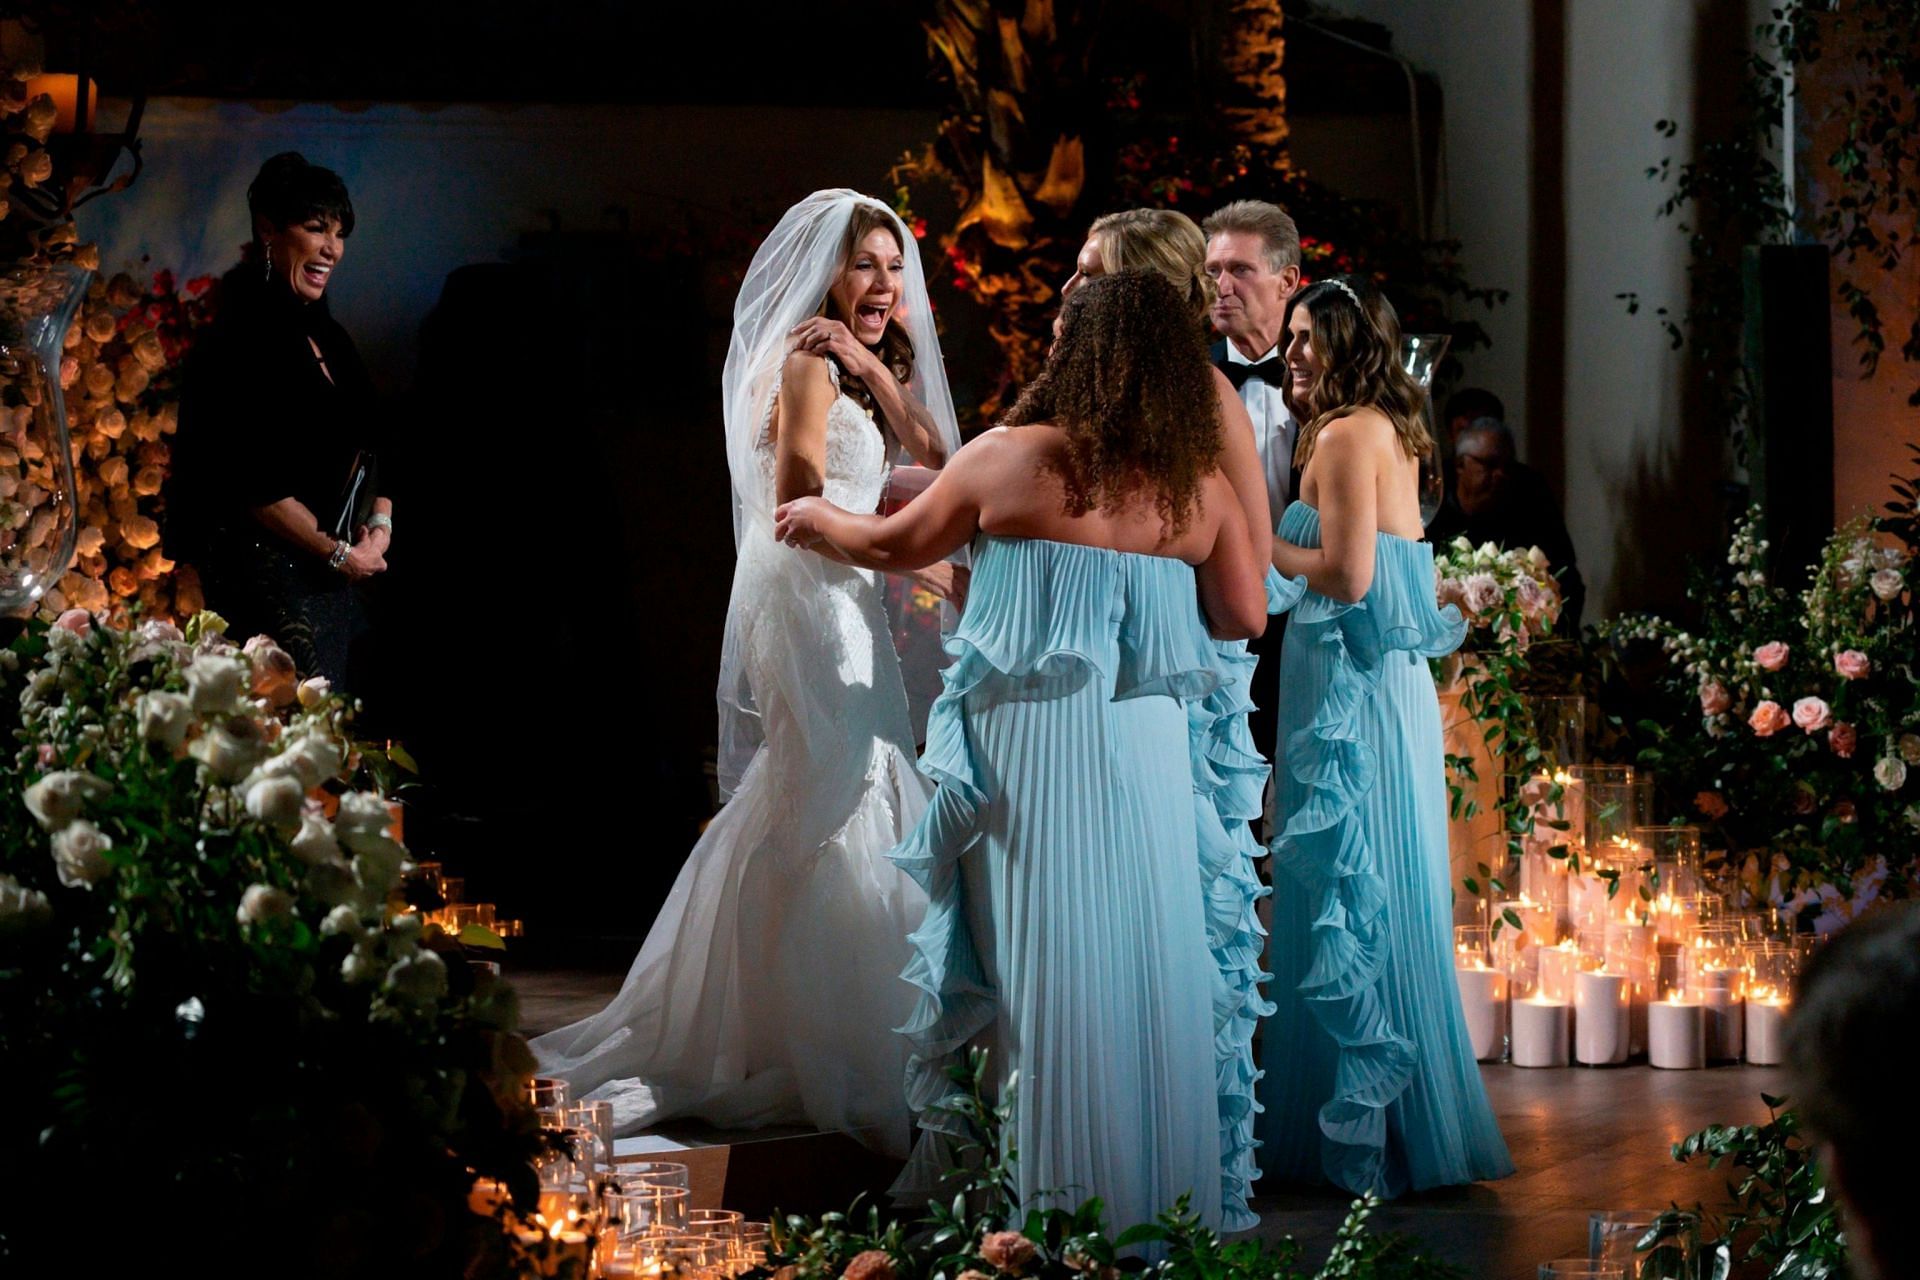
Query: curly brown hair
x=1131 y=385
x=1356 y=334
x=896 y=348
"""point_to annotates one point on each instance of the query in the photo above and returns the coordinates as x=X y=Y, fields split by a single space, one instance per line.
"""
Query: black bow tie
x=1272 y=371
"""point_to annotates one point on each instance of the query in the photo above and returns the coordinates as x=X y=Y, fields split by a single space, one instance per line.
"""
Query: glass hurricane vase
x=1420 y=356
x=39 y=516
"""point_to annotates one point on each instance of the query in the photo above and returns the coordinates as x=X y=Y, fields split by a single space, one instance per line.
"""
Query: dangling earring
x=266 y=260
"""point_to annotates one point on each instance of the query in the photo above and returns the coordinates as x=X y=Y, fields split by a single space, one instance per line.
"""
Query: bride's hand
x=797 y=523
x=824 y=336
x=948 y=581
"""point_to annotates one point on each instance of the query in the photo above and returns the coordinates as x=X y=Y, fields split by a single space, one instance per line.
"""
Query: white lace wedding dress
x=769 y=987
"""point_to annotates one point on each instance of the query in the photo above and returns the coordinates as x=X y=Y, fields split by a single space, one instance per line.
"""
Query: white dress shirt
x=1274 y=432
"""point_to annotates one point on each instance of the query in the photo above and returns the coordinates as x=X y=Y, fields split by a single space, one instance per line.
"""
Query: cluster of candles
x=602 y=1220
x=458 y=913
x=1618 y=947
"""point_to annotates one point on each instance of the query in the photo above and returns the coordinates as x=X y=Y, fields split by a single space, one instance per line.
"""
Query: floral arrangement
x=1795 y=718
x=121 y=374
x=980 y=1233
x=210 y=969
x=1510 y=600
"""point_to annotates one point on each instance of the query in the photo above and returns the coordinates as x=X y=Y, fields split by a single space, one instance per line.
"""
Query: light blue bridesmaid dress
x=1073 y=913
x=1370 y=1082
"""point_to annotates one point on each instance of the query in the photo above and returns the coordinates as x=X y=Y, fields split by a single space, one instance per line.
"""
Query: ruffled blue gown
x=1370 y=1082
x=1080 y=924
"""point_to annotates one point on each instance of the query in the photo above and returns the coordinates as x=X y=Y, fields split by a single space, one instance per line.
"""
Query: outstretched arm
x=1345 y=469
x=929 y=528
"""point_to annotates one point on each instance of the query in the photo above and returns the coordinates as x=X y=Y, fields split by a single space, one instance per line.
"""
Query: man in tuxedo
x=1253 y=255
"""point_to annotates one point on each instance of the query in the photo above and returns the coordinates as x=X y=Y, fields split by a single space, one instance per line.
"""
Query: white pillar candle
x=1540 y=1032
x=1766 y=1031
x=1726 y=1020
x=1483 y=999
x=1676 y=1035
x=1603 y=1017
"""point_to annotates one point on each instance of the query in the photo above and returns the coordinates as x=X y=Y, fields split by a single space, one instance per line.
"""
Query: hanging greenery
x=1736 y=192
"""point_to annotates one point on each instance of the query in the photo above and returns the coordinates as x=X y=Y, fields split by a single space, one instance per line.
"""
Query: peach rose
x=1714 y=698
x=1771 y=656
x=1843 y=738
x=1768 y=719
x=1007 y=1250
x=78 y=621
x=1812 y=714
x=874 y=1264
x=1852 y=663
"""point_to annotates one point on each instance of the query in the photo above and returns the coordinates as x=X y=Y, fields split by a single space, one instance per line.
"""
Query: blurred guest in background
x=1494 y=497
x=1850 y=1053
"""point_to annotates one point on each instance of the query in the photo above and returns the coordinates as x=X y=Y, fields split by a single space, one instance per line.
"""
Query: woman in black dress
x=276 y=498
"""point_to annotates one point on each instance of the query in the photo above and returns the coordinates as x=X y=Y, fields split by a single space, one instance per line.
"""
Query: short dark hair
x=1851 y=1043
x=288 y=190
x=1474 y=402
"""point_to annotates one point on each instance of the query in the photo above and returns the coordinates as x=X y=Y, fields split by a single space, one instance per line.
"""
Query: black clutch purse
x=355 y=507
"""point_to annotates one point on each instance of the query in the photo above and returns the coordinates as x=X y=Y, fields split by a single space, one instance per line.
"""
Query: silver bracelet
x=380 y=520
x=339 y=555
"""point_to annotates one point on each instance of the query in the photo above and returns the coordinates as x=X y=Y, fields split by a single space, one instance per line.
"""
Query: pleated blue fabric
x=1230 y=781
x=1370 y=1081
x=1075 y=924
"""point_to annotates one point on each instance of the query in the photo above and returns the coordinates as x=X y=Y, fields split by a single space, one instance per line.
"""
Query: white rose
x=1890 y=773
x=1886 y=583
x=420 y=977
x=79 y=854
x=311 y=757
x=333 y=884
x=359 y=965
x=57 y=799
x=230 y=748
x=262 y=902
x=1537 y=558
x=342 y=919
x=362 y=824
x=215 y=683
x=21 y=906
x=314 y=844
x=164 y=719
x=313 y=691
x=377 y=868
x=276 y=801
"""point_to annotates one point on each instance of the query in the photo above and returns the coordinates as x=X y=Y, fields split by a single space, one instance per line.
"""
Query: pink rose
x=1007 y=1250
x=273 y=674
x=78 y=621
x=1843 y=738
x=1852 y=663
x=1714 y=698
x=1711 y=804
x=1768 y=719
x=1812 y=714
x=1771 y=656
x=1482 y=592
x=874 y=1264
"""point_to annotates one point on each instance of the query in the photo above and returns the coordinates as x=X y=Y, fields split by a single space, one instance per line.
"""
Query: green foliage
x=1781 y=1216
x=1735 y=194
x=1830 y=802
x=974 y=1227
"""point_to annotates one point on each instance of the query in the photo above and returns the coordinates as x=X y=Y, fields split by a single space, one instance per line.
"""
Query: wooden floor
x=1582 y=1139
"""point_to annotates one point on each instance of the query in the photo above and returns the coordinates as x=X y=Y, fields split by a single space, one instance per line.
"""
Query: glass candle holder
x=1675 y=854
x=1581 y=1269
x=1559 y=728
x=1472 y=946
x=1611 y=802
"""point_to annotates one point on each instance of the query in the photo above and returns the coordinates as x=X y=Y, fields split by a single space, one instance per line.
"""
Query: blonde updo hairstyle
x=1163 y=241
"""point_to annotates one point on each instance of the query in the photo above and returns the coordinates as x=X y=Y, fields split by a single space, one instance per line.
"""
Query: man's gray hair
x=1268 y=221
x=1500 y=431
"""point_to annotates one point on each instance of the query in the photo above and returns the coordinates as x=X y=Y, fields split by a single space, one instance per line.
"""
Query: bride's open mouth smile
x=871 y=317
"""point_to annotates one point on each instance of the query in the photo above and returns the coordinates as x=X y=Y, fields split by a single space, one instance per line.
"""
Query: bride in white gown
x=769 y=986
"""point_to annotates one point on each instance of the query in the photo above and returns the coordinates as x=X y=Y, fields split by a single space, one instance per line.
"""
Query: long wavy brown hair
x=896 y=348
x=1356 y=334
x=1130 y=384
